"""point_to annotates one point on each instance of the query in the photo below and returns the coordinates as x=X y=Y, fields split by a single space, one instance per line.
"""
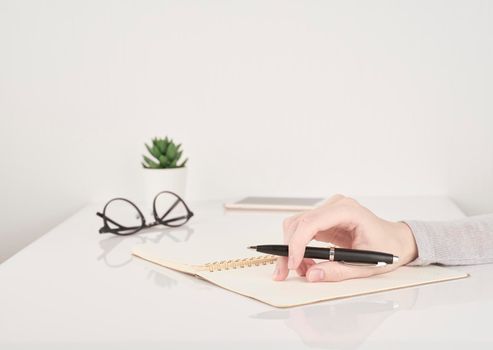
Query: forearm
x=461 y=242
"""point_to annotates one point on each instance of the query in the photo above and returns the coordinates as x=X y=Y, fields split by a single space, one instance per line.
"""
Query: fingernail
x=316 y=275
x=291 y=263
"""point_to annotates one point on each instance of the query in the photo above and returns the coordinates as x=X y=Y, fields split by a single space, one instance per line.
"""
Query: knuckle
x=349 y=208
x=337 y=197
x=305 y=229
x=333 y=199
x=306 y=220
x=290 y=223
x=350 y=201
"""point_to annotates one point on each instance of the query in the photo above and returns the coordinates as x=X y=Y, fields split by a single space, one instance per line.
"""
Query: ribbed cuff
x=422 y=236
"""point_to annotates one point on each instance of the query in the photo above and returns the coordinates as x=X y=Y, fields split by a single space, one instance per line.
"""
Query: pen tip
x=252 y=247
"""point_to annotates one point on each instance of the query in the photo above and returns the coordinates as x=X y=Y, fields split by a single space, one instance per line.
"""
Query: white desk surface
x=74 y=288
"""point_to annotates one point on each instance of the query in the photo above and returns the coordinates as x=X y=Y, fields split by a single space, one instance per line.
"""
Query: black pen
x=333 y=254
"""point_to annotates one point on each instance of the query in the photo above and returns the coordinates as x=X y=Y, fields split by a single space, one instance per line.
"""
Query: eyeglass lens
x=123 y=216
x=170 y=210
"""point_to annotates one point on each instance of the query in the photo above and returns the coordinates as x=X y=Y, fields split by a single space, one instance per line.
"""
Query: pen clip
x=379 y=264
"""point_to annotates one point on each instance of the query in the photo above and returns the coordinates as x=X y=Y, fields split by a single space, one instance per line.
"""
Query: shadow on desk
x=117 y=250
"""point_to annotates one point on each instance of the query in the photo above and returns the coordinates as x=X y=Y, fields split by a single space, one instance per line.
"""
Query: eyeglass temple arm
x=174 y=219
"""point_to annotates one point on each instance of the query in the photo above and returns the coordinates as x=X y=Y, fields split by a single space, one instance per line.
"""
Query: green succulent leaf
x=166 y=152
x=163 y=161
x=171 y=151
x=178 y=155
x=154 y=151
x=150 y=163
x=146 y=161
x=161 y=144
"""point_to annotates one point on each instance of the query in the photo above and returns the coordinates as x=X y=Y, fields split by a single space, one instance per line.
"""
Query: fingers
x=307 y=228
x=338 y=236
x=304 y=266
x=289 y=226
x=302 y=228
x=328 y=271
x=281 y=270
x=312 y=223
x=334 y=272
x=342 y=221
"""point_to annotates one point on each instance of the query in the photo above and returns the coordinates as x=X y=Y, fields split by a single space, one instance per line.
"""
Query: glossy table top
x=74 y=288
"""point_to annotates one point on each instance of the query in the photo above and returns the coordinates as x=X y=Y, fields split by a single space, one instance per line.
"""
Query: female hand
x=345 y=223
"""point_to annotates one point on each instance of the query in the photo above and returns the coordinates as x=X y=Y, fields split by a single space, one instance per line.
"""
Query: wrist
x=408 y=249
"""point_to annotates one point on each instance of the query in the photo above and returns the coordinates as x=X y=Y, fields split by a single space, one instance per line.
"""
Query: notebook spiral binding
x=240 y=263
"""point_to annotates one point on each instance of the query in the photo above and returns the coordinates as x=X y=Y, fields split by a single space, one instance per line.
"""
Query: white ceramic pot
x=157 y=180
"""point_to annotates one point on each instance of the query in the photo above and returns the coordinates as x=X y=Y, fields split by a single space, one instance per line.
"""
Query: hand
x=344 y=222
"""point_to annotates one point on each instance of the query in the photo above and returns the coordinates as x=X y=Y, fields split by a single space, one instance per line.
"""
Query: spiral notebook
x=251 y=274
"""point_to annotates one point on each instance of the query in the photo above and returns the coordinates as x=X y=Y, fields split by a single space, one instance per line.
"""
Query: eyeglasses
x=122 y=217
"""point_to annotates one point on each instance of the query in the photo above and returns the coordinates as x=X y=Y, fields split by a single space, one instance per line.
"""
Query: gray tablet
x=275 y=203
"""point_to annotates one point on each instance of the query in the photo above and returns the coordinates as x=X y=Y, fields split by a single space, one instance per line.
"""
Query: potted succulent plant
x=163 y=169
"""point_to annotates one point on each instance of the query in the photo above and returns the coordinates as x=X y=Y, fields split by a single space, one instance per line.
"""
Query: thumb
x=335 y=271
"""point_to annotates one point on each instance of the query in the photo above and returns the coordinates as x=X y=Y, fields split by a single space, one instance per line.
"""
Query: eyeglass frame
x=159 y=221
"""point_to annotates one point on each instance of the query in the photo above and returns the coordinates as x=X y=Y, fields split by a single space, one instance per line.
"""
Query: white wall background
x=267 y=97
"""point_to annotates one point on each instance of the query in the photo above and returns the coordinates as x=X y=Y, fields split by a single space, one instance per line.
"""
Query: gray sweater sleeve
x=460 y=242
